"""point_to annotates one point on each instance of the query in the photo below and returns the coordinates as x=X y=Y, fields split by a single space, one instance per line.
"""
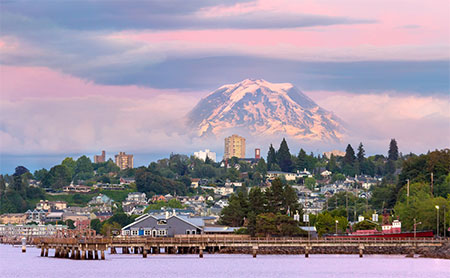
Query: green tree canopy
x=284 y=157
x=393 y=150
x=271 y=158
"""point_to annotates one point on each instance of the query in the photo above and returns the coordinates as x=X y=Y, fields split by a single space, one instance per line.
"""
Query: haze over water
x=15 y=264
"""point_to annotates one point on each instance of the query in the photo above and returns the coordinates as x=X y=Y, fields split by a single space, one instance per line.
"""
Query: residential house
x=77 y=188
x=101 y=199
x=13 y=218
x=137 y=197
x=127 y=180
x=54 y=217
x=271 y=175
x=36 y=216
x=223 y=190
x=103 y=215
x=164 y=226
x=51 y=205
x=156 y=198
x=76 y=216
x=195 y=182
x=304 y=174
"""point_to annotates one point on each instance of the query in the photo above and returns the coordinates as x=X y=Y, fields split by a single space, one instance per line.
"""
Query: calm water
x=15 y=264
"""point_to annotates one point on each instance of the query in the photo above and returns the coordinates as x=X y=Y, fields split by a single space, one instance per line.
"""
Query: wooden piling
x=144 y=253
x=46 y=252
x=102 y=254
x=83 y=254
x=96 y=254
x=200 y=253
x=42 y=251
x=361 y=250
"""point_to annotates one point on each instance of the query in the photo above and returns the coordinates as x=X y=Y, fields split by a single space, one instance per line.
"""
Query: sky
x=77 y=77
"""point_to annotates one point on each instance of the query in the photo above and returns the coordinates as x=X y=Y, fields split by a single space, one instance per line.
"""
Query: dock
x=95 y=248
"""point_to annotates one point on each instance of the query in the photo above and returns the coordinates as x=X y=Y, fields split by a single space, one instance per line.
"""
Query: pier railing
x=208 y=240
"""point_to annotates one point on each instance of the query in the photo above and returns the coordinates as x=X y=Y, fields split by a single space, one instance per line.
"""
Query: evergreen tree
x=208 y=160
x=290 y=200
x=331 y=165
x=261 y=167
x=271 y=158
x=393 y=150
x=349 y=157
x=302 y=160
x=233 y=214
x=257 y=201
x=284 y=157
x=311 y=162
x=275 y=196
x=20 y=170
x=361 y=153
x=348 y=166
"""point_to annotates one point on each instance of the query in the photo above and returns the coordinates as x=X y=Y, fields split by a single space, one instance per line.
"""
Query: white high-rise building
x=206 y=153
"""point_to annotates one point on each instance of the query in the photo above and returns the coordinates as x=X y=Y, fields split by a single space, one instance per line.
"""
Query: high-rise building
x=207 y=153
x=100 y=158
x=124 y=160
x=234 y=146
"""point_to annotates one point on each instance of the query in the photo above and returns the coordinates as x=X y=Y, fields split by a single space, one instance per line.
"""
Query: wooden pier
x=95 y=248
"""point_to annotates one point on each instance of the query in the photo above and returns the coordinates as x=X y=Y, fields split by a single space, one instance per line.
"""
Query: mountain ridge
x=263 y=108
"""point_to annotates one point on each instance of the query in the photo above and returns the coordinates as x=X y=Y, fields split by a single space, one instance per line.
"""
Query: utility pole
x=407 y=193
x=335 y=196
x=346 y=203
x=437 y=220
x=445 y=223
x=432 y=184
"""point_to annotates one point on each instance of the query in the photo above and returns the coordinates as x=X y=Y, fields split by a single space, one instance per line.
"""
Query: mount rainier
x=261 y=108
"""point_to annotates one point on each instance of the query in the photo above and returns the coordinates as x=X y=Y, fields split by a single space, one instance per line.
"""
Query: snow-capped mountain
x=262 y=108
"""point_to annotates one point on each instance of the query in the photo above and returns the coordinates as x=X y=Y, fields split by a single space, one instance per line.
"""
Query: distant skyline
x=77 y=77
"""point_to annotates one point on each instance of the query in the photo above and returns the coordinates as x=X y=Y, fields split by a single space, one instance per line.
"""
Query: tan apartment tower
x=100 y=158
x=124 y=160
x=234 y=146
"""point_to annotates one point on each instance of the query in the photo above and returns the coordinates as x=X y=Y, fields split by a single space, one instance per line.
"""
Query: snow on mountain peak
x=263 y=108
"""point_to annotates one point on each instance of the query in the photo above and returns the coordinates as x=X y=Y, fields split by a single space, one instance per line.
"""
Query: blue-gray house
x=164 y=226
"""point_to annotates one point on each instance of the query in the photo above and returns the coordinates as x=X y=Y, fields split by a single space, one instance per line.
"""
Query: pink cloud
x=418 y=122
x=44 y=111
x=385 y=39
x=41 y=82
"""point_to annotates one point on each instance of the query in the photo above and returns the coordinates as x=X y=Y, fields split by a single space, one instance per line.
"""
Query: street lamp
x=437 y=220
x=415 y=225
x=337 y=221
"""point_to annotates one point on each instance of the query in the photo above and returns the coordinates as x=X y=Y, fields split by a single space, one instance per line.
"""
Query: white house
x=223 y=191
x=277 y=174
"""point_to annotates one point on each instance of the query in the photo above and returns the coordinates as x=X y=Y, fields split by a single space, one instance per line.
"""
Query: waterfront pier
x=95 y=248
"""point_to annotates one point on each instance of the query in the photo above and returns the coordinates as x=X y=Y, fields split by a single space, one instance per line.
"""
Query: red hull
x=397 y=235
